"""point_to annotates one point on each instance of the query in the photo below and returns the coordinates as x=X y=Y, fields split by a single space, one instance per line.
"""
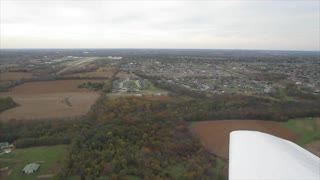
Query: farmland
x=101 y=72
x=49 y=158
x=59 y=86
x=92 y=75
x=309 y=129
x=50 y=99
x=126 y=115
x=122 y=74
x=7 y=76
x=215 y=134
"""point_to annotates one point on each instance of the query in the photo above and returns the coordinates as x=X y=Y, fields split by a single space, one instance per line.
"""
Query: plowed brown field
x=7 y=76
x=49 y=99
x=59 y=86
x=215 y=134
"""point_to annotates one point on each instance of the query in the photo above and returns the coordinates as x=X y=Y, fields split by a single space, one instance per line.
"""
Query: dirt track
x=215 y=134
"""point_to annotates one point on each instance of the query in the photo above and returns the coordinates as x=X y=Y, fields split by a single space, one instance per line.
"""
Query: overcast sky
x=255 y=24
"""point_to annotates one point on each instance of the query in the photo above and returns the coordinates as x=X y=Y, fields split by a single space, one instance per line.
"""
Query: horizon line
x=231 y=49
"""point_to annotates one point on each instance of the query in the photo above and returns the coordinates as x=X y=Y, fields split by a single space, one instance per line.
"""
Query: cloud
x=160 y=24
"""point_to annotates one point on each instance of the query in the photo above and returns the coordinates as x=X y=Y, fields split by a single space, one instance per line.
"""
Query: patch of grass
x=4 y=89
x=153 y=88
x=49 y=158
x=308 y=128
x=192 y=123
x=78 y=178
x=132 y=85
x=176 y=171
x=131 y=177
x=219 y=169
x=6 y=103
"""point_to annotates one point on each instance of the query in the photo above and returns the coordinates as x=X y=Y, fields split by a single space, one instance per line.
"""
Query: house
x=7 y=151
x=4 y=145
x=30 y=168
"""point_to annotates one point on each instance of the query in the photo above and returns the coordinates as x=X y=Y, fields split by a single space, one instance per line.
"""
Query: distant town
x=213 y=72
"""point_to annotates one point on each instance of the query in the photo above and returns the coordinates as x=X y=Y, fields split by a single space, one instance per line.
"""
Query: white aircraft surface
x=255 y=155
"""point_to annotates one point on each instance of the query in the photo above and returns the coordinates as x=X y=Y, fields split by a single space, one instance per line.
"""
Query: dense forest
x=140 y=138
x=246 y=107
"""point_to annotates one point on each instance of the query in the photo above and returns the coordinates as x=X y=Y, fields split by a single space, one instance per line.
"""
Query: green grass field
x=153 y=88
x=308 y=128
x=49 y=157
x=175 y=171
x=132 y=85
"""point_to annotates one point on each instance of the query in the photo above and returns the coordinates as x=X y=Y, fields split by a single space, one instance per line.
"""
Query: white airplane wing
x=259 y=156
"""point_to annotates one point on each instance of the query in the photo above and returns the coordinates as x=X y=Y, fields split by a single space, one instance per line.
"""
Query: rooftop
x=31 y=167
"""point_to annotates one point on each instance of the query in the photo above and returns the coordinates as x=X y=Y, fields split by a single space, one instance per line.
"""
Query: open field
x=54 y=105
x=7 y=76
x=309 y=129
x=95 y=74
x=50 y=99
x=101 y=72
x=45 y=87
x=50 y=160
x=107 y=69
x=215 y=134
x=122 y=74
